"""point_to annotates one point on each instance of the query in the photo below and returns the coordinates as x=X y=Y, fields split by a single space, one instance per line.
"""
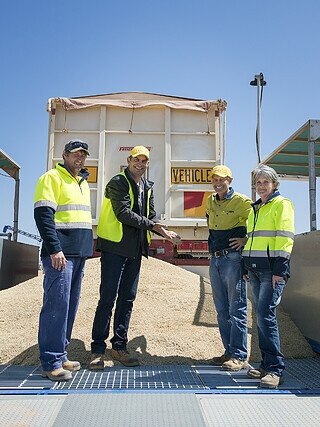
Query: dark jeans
x=61 y=292
x=230 y=298
x=265 y=301
x=119 y=282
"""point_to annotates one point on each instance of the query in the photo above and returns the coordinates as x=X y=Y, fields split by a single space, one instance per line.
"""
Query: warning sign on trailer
x=190 y=175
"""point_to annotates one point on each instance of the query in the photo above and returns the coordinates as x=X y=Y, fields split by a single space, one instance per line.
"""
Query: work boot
x=123 y=356
x=71 y=365
x=59 y=374
x=219 y=360
x=96 y=362
x=234 y=364
x=256 y=374
x=271 y=380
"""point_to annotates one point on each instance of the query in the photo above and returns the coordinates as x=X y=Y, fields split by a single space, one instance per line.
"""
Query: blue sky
x=202 y=49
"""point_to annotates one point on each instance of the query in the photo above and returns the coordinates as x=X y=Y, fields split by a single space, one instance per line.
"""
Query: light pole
x=259 y=82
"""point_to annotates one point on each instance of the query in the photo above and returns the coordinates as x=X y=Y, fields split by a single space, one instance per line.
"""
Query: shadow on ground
x=137 y=347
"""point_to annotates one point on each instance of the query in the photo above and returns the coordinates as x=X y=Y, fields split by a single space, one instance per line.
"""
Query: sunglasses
x=76 y=144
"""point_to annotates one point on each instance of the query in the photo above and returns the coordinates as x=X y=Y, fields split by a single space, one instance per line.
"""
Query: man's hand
x=172 y=236
x=277 y=280
x=237 y=242
x=158 y=228
x=58 y=261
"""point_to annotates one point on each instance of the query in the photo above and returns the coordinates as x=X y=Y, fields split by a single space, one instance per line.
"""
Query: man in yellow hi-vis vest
x=126 y=219
x=63 y=216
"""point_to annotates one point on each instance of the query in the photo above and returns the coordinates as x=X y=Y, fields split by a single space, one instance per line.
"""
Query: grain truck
x=185 y=137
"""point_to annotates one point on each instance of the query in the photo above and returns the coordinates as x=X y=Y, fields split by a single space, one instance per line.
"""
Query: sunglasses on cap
x=76 y=145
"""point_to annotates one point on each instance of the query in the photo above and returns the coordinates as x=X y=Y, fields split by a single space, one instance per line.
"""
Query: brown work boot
x=59 y=374
x=96 y=362
x=271 y=380
x=123 y=356
x=234 y=364
x=71 y=365
x=219 y=360
x=256 y=374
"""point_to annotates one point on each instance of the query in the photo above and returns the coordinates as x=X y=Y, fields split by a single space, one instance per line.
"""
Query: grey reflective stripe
x=64 y=225
x=75 y=207
x=264 y=254
x=270 y=233
x=47 y=203
x=283 y=254
x=283 y=233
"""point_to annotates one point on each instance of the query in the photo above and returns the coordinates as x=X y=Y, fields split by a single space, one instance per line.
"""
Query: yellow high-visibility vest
x=67 y=195
x=109 y=227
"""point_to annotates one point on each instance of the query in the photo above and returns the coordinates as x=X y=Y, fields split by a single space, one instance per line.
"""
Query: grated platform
x=300 y=375
x=171 y=377
x=162 y=396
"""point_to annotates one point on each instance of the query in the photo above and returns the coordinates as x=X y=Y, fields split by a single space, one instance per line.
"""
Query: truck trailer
x=186 y=139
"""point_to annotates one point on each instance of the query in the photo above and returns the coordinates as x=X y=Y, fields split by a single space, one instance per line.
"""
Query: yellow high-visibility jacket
x=270 y=236
x=62 y=213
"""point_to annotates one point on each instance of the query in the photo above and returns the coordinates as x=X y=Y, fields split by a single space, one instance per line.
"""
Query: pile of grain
x=173 y=321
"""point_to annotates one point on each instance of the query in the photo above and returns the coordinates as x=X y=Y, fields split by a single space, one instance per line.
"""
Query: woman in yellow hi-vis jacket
x=267 y=256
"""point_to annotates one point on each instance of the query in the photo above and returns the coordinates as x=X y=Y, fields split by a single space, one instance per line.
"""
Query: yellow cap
x=222 y=171
x=139 y=150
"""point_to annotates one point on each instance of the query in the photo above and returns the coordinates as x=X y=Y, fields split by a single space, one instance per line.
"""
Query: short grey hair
x=266 y=171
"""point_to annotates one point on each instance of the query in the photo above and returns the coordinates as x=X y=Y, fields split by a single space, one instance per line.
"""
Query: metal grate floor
x=171 y=377
x=165 y=396
x=303 y=374
x=306 y=370
x=141 y=378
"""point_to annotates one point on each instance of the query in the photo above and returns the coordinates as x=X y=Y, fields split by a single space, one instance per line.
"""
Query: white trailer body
x=185 y=137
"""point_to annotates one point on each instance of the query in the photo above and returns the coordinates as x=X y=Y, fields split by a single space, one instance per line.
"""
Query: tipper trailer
x=185 y=137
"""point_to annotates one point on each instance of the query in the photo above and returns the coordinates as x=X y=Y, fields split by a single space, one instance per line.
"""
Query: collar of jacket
x=269 y=199
x=146 y=184
x=84 y=174
x=228 y=195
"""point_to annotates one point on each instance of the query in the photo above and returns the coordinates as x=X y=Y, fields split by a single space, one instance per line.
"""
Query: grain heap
x=173 y=321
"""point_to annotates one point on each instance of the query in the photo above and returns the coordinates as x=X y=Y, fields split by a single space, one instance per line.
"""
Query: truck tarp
x=181 y=104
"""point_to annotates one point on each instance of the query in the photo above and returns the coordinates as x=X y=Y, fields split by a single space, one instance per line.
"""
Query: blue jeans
x=119 y=282
x=60 y=304
x=230 y=298
x=265 y=300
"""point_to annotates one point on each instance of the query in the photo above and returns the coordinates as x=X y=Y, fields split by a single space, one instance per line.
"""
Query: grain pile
x=173 y=322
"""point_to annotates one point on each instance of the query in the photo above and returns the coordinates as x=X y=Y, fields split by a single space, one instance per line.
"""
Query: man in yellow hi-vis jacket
x=63 y=216
x=126 y=219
